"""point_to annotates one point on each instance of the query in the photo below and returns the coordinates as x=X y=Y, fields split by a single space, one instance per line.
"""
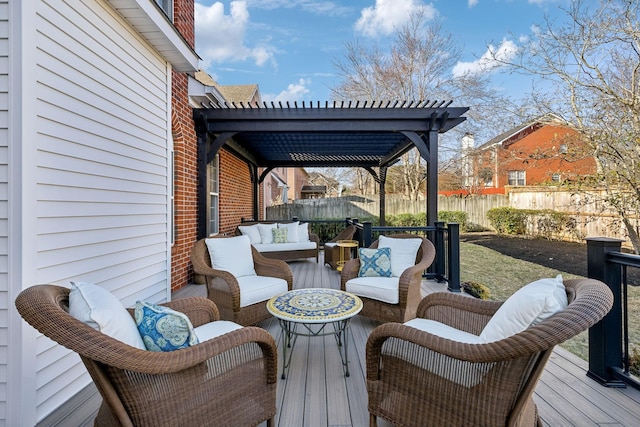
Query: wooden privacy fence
x=588 y=217
x=476 y=207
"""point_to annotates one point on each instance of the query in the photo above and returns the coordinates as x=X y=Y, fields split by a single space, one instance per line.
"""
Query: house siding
x=93 y=178
x=4 y=208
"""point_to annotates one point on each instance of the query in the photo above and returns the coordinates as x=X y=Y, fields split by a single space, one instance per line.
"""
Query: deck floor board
x=317 y=394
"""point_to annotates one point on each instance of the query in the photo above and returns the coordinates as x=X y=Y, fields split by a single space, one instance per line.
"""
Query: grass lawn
x=504 y=275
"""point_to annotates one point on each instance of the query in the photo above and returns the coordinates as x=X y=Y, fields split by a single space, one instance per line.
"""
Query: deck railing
x=609 y=356
x=445 y=238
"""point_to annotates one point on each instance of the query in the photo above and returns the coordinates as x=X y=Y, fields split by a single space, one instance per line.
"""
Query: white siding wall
x=94 y=176
x=4 y=210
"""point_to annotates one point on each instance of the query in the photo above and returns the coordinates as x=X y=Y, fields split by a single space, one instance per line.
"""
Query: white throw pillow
x=252 y=231
x=292 y=231
x=266 y=235
x=232 y=254
x=403 y=253
x=103 y=311
x=303 y=232
x=528 y=306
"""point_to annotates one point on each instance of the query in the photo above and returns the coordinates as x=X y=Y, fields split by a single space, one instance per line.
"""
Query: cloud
x=220 y=37
x=293 y=92
x=472 y=3
x=505 y=52
x=387 y=15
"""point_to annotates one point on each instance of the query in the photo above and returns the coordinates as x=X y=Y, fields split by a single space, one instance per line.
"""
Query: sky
x=289 y=47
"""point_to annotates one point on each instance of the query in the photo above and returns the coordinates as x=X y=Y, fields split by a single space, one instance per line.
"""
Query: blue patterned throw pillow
x=163 y=329
x=375 y=262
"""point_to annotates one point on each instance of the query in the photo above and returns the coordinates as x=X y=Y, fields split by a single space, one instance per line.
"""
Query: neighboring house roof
x=232 y=93
x=314 y=189
x=521 y=130
x=240 y=93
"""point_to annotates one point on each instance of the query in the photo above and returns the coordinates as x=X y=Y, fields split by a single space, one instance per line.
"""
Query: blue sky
x=287 y=46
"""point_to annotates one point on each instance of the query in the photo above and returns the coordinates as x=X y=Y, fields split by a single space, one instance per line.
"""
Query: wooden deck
x=316 y=392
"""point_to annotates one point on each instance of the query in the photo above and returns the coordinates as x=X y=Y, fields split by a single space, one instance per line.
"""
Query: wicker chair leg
x=373 y=421
x=270 y=423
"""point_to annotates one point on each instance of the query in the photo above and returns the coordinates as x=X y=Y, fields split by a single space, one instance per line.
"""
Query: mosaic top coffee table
x=312 y=310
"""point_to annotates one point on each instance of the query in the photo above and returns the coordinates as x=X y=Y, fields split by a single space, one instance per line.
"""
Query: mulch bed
x=570 y=257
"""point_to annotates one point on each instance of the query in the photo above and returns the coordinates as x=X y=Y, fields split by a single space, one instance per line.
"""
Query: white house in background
x=85 y=172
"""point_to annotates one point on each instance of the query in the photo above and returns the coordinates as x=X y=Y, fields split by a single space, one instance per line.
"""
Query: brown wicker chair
x=409 y=285
x=226 y=381
x=332 y=253
x=223 y=288
x=500 y=376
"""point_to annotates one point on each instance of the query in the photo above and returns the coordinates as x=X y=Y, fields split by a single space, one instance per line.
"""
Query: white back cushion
x=252 y=231
x=403 y=253
x=528 y=306
x=103 y=311
x=266 y=235
x=303 y=232
x=232 y=254
x=292 y=231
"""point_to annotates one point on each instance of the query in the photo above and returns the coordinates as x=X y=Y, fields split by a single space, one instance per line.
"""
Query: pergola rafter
x=334 y=134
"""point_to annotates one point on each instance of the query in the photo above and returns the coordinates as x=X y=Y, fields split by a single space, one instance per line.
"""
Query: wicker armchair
x=225 y=381
x=476 y=384
x=223 y=288
x=408 y=287
x=332 y=251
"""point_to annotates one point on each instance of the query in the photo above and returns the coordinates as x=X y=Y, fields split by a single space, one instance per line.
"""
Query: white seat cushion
x=470 y=375
x=528 y=306
x=442 y=330
x=215 y=329
x=255 y=289
x=383 y=289
x=403 y=253
x=103 y=311
x=232 y=254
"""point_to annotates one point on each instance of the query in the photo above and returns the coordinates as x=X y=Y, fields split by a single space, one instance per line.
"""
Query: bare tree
x=418 y=66
x=592 y=62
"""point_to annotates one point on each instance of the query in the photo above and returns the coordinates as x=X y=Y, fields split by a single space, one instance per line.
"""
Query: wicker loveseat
x=292 y=249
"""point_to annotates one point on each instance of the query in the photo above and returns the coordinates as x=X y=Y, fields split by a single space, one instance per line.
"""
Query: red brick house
x=540 y=152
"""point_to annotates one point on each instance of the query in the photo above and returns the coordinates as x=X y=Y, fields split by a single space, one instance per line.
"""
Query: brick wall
x=185 y=158
x=539 y=154
x=236 y=195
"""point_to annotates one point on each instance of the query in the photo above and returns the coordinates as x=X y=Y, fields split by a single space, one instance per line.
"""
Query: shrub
x=634 y=361
x=458 y=217
x=407 y=220
x=508 y=220
x=476 y=289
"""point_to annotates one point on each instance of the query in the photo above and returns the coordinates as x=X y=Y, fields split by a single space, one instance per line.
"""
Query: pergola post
x=383 y=198
x=432 y=178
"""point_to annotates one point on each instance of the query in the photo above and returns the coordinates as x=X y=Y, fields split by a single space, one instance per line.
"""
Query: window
x=213 y=189
x=167 y=7
x=555 y=177
x=516 y=178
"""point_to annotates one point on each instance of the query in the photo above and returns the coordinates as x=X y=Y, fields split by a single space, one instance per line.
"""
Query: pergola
x=333 y=134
